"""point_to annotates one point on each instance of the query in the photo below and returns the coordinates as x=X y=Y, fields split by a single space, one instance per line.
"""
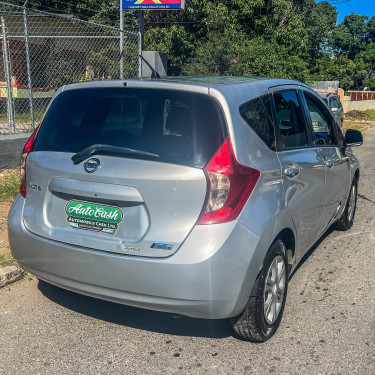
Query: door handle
x=329 y=163
x=291 y=170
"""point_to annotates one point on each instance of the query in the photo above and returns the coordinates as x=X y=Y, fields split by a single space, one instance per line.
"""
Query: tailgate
x=127 y=206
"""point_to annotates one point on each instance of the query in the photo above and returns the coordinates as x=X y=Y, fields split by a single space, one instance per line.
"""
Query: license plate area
x=93 y=216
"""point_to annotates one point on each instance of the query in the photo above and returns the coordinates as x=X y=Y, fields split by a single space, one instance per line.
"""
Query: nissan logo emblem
x=91 y=165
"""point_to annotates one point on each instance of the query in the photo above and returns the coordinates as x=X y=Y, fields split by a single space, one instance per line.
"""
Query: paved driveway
x=328 y=325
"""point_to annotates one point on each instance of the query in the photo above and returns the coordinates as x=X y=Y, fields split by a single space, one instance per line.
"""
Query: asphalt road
x=10 y=149
x=328 y=325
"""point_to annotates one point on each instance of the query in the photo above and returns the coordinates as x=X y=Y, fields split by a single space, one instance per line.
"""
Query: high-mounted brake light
x=24 y=154
x=229 y=185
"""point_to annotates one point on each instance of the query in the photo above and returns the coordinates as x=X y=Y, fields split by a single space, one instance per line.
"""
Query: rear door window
x=179 y=127
x=258 y=115
x=289 y=119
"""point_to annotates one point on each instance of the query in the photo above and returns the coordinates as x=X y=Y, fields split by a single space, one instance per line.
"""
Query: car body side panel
x=305 y=195
x=337 y=181
x=265 y=213
x=354 y=163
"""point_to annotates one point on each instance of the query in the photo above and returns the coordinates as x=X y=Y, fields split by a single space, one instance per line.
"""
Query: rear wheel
x=347 y=219
x=262 y=315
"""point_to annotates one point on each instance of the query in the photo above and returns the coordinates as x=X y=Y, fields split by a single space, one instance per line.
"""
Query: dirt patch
x=4 y=244
x=6 y=173
x=358 y=115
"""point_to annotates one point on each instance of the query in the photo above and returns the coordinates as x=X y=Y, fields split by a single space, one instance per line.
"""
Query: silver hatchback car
x=196 y=196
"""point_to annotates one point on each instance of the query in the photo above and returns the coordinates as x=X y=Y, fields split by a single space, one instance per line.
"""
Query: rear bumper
x=210 y=276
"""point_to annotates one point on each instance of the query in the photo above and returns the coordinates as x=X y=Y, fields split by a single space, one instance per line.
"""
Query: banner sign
x=153 y=4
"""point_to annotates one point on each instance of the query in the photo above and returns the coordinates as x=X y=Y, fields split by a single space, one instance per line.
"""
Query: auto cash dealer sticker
x=96 y=217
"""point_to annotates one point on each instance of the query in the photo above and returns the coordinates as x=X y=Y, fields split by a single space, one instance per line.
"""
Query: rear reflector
x=24 y=154
x=229 y=185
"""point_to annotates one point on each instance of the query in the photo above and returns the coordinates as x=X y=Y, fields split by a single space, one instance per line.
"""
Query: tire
x=347 y=219
x=255 y=324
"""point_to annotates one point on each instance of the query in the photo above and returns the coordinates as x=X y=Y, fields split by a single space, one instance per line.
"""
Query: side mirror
x=353 y=138
x=334 y=109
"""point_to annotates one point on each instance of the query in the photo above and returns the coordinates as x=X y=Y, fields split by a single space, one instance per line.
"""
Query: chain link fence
x=43 y=51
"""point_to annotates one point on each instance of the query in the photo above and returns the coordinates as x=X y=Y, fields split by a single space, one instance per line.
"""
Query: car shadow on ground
x=147 y=320
x=311 y=251
x=172 y=324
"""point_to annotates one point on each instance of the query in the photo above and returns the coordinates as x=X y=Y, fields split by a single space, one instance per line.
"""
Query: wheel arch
x=289 y=240
x=356 y=174
x=288 y=237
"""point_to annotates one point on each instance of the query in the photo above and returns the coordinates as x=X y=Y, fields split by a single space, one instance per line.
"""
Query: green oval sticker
x=97 y=217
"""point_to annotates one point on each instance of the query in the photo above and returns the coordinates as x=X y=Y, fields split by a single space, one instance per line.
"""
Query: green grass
x=7 y=260
x=9 y=185
x=371 y=113
x=22 y=117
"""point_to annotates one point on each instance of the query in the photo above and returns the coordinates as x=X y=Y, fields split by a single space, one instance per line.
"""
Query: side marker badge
x=162 y=246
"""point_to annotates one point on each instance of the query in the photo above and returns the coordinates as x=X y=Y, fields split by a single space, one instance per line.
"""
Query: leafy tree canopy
x=296 y=39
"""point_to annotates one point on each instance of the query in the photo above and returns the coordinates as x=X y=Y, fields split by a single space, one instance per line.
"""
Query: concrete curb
x=366 y=127
x=9 y=275
x=9 y=137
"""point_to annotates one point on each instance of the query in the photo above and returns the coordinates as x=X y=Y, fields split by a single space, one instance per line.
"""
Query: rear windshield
x=179 y=127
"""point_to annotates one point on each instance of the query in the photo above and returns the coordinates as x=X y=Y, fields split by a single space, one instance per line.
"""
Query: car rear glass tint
x=180 y=127
x=258 y=114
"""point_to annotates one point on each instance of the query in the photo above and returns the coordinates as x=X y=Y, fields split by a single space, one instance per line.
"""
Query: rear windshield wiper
x=99 y=149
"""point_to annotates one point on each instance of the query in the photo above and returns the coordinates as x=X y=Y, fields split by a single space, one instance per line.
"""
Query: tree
x=338 y=69
x=175 y=41
x=275 y=38
x=104 y=61
x=350 y=37
x=280 y=38
x=62 y=67
x=354 y=41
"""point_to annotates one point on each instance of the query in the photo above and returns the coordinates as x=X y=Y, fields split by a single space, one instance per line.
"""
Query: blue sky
x=362 y=7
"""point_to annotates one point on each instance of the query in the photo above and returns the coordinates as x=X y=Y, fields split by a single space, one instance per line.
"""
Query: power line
x=337 y=2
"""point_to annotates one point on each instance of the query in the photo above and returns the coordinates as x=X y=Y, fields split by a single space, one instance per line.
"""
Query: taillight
x=24 y=154
x=229 y=186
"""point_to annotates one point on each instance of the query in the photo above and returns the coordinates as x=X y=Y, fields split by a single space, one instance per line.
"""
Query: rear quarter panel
x=265 y=212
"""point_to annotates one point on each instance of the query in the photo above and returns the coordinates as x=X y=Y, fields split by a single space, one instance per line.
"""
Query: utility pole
x=8 y=78
x=28 y=65
x=121 y=41
x=141 y=31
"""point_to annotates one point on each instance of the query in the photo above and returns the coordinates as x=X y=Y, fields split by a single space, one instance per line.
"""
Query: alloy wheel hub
x=274 y=289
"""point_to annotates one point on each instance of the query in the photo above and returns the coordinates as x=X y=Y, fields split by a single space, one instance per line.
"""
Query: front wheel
x=262 y=315
x=347 y=219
